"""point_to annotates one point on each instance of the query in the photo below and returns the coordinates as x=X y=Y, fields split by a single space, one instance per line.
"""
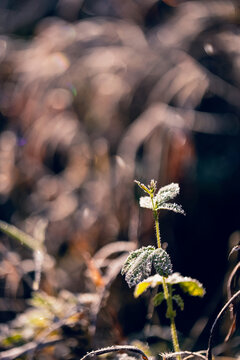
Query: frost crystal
x=146 y=202
x=174 y=207
x=167 y=193
x=159 y=201
x=191 y=286
x=139 y=263
x=162 y=262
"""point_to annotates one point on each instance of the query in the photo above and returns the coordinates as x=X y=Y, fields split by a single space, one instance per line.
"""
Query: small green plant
x=48 y=315
x=139 y=263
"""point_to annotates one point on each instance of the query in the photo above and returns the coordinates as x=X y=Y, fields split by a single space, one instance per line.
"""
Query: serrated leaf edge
x=172 y=279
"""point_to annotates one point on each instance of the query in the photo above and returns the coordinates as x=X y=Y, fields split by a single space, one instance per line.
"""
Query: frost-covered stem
x=167 y=295
x=157 y=229
x=155 y=214
x=175 y=337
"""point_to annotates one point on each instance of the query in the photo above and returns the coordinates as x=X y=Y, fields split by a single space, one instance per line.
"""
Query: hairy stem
x=157 y=230
x=171 y=315
x=167 y=295
x=155 y=214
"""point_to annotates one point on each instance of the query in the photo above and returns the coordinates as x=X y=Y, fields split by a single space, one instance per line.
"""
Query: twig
x=229 y=283
x=189 y=353
x=231 y=307
x=115 y=348
x=209 y=350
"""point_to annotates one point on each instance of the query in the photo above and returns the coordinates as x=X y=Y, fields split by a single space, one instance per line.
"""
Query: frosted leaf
x=167 y=193
x=159 y=201
x=146 y=202
x=191 y=286
x=131 y=257
x=138 y=265
x=173 y=207
x=162 y=262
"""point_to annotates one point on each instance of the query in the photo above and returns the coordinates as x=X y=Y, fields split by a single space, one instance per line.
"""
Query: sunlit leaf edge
x=189 y=285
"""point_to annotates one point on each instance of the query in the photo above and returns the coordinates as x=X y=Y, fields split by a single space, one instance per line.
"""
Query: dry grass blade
x=230 y=294
x=20 y=236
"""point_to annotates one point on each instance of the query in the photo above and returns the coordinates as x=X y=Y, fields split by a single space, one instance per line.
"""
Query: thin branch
x=229 y=283
x=114 y=349
x=189 y=353
x=231 y=307
x=209 y=351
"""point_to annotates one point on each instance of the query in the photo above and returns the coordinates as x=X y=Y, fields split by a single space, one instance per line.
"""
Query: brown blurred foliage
x=92 y=101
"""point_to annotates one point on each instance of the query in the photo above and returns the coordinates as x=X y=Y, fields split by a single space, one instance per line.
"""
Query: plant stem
x=167 y=294
x=171 y=316
x=155 y=214
x=157 y=230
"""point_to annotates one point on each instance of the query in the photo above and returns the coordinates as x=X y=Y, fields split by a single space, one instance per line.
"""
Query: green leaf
x=143 y=187
x=140 y=288
x=158 y=299
x=146 y=202
x=173 y=207
x=20 y=236
x=139 y=263
x=131 y=257
x=178 y=299
x=167 y=193
x=159 y=201
x=162 y=262
x=191 y=286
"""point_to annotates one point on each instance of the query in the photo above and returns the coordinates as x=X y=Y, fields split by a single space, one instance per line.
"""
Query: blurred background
x=95 y=94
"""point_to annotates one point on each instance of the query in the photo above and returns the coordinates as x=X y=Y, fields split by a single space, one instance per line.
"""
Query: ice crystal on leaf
x=173 y=207
x=167 y=193
x=146 y=202
x=139 y=263
x=162 y=262
x=139 y=267
x=159 y=201
x=191 y=286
